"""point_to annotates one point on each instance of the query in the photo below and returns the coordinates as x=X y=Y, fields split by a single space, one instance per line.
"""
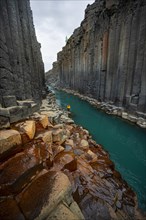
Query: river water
x=126 y=143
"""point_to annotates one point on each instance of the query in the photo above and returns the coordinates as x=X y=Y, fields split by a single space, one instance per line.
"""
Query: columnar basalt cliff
x=21 y=66
x=105 y=58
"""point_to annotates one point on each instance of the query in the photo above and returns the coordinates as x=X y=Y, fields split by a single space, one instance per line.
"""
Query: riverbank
x=137 y=118
x=48 y=149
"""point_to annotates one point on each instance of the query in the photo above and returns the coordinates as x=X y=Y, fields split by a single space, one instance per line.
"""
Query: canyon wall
x=105 y=58
x=21 y=66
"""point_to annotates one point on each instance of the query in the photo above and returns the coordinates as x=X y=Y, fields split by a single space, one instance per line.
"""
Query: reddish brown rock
x=17 y=172
x=62 y=159
x=9 y=210
x=44 y=194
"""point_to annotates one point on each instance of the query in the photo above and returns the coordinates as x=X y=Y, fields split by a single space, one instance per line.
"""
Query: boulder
x=69 y=142
x=9 y=139
x=57 y=149
x=27 y=128
x=92 y=156
x=59 y=136
x=84 y=144
x=46 y=137
x=18 y=113
x=41 y=121
x=132 y=118
x=43 y=196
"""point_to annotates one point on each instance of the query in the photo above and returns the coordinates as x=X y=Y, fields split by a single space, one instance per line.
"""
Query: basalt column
x=105 y=58
x=21 y=66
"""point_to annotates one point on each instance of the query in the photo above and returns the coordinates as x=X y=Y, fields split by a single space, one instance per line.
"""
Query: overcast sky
x=54 y=20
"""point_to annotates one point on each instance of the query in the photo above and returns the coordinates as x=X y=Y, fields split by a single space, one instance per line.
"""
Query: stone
x=124 y=115
x=9 y=210
x=66 y=120
x=4 y=122
x=43 y=196
x=93 y=156
x=9 y=101
x=41 y=121
x=69 y=142
x=58 y=136
x=84 y=144
x=4 y=112
x=17 y=172
x=18 y=113
x=46 y=137
x=132 y=118
x=71 y=166
x=58 y=126
x=35 y=107
x=57 y=150
x=9 y=139
x=51 y=115
x=28 y=128
x=63 y=212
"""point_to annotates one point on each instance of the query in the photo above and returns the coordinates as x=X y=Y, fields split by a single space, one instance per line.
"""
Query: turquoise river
x=125 y=143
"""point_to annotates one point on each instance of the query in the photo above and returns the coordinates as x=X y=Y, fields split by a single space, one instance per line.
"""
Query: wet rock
x=9 y=210
x=8 y=140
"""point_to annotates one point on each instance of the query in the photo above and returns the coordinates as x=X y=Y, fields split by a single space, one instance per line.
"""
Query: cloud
x=54 y=20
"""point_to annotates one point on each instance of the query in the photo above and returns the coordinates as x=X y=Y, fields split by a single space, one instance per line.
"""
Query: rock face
x=21 y=66
x=105 y=58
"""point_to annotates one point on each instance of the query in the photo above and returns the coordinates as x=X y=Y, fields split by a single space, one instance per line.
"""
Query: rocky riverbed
x=51 y=168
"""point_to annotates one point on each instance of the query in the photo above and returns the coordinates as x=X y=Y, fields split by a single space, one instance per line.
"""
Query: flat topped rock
x=9 y=139
x=44 y=195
